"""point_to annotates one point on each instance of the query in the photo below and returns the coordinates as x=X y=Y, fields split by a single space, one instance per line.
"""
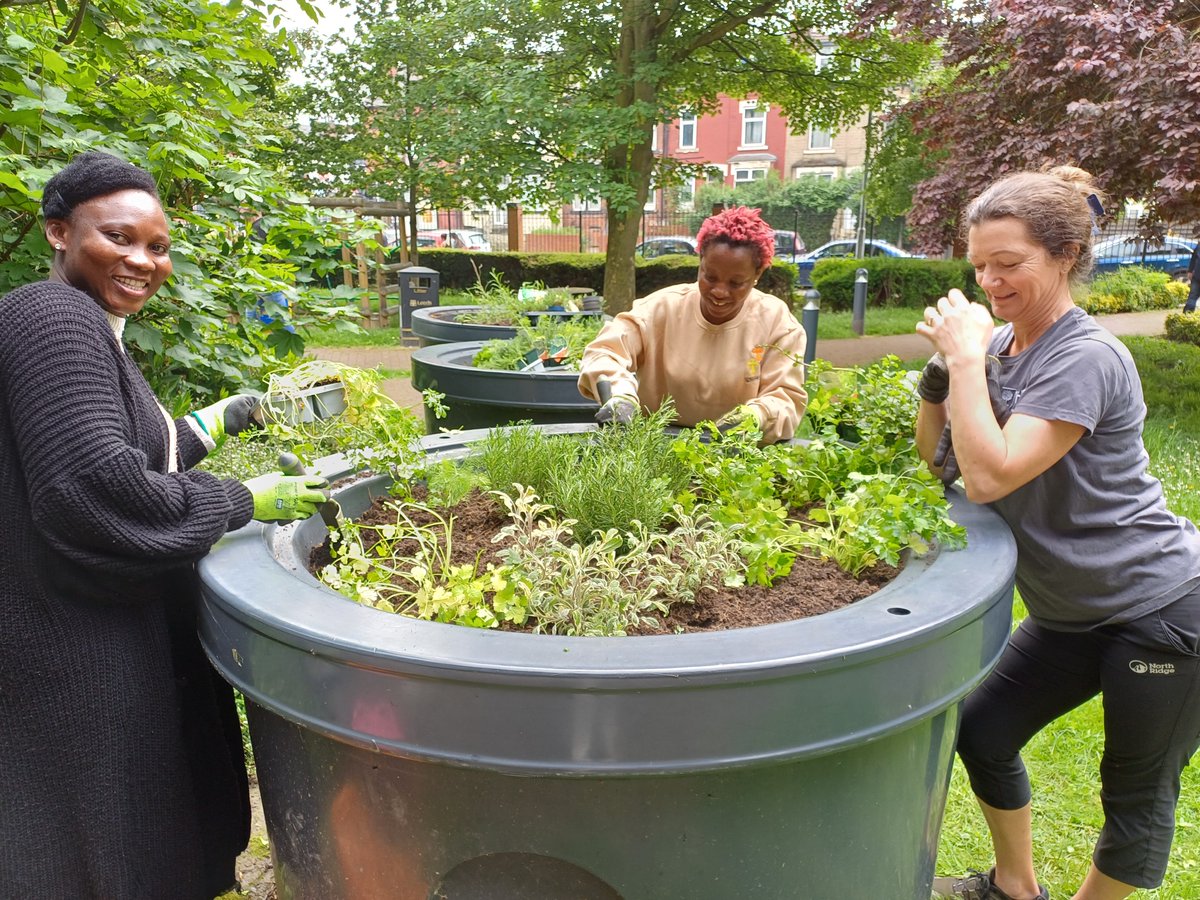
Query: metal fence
x=586 y=230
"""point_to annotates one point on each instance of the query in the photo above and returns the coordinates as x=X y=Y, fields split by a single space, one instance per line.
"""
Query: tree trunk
x=633 y=163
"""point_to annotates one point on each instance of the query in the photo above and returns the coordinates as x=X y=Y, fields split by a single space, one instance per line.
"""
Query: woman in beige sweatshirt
x=720 y=348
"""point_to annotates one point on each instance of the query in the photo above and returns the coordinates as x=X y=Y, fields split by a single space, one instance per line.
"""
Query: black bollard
x=857 y=322
x=808 y=318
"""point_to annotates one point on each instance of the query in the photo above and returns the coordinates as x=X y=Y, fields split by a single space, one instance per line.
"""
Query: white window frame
x=688 y=120
x=686 y=197
x=823 y=56
x=754 y=171
x=819 y=140
x=826 y=174
x=753 y=112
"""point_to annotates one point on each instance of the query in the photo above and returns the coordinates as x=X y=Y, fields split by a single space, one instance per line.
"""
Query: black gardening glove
x=943 y=454
x=934 y=386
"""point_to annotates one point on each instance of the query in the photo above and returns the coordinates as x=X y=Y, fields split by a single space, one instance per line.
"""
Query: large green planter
x=408 y=759
x=484 y=398
x=441 y=325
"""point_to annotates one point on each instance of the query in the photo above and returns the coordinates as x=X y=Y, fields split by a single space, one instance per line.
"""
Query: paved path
x=846 y=352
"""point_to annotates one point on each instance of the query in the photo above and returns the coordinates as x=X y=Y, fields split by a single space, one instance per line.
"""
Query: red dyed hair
x=739 y=227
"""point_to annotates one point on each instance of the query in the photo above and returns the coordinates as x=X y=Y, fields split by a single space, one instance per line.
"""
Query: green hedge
x=458 y=271
x=1184 y=327
x=893 y=281
x=1131 y=289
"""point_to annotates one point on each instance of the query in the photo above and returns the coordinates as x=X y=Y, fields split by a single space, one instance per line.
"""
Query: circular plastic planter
x=403 y=758
x=440 y=325
x=483 y=398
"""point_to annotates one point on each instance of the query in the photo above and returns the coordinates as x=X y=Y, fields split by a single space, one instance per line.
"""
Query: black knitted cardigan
x=121 y=767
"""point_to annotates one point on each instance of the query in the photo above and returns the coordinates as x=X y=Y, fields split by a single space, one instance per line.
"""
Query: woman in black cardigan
x=121 y=769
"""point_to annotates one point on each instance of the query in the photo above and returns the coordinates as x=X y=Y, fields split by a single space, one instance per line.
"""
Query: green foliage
x=466 y=269
x=625 y=475
x=134 y=78
x=893 y=281
x=249 y=454
x=374 y=431
x=421 y=580
x=1184 y=327
x=378 y=110
x=805 y=205
x=648 y=514
x=463 y=269
x=520 y=454
x=501 y=305
x=563 y=338
x=1132 y=288
x=875 y=498
x=621 y=475
x=611 y=583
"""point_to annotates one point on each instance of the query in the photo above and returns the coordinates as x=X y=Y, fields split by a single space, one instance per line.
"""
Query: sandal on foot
x=976 y=886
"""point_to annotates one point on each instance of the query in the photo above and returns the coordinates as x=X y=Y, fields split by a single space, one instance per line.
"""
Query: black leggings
x=1148 y=671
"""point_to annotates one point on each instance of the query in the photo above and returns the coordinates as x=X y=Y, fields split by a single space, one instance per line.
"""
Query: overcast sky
x=331 y=21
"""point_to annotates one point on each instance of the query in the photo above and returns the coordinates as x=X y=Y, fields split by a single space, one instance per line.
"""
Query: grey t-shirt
x=1096 y=542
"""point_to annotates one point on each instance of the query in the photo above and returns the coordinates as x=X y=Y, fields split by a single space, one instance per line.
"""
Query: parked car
x=654 y=247
x=845 y=249
x=454 y=238
x=789 y=246
x=1171 y=256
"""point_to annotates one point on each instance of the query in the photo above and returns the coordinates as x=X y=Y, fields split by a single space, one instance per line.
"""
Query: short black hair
x=92 y=174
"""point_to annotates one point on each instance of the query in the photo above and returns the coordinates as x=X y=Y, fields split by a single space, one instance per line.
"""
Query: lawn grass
x=375 y=337
x=1063 y=760
x=876 y=322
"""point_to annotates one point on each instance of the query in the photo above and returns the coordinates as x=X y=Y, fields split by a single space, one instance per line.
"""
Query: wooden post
x=346 y=279
x=515 y=230
x=364 y=284
x=381 y=283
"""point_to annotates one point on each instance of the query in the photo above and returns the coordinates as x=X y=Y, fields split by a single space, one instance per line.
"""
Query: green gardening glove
x=742 y=413
x=230 y=416
x=284 y=498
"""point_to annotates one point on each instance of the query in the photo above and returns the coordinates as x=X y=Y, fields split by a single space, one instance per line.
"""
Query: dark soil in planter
x=814 y=586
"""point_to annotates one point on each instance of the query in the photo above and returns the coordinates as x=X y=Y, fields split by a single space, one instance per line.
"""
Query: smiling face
x=1023 y=282
x=115 y=248
x=727 y=275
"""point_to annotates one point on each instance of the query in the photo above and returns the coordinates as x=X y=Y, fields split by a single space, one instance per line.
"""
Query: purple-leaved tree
x=1113 y=88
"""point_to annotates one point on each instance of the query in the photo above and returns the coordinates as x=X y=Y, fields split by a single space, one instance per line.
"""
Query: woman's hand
x=957 y=328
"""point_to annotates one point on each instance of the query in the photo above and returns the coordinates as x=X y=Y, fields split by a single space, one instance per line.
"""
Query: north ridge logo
x=1137 y=667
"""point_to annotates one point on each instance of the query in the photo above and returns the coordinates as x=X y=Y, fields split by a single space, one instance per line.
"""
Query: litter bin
x=419 y=287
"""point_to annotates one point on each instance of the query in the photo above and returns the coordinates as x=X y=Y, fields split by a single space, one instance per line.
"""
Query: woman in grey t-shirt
x=1047 y=416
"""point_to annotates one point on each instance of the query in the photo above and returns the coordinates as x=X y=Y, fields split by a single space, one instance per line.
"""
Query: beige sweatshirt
x=665 y=347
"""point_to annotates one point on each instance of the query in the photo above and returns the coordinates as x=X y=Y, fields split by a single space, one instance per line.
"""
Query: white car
x=455 y=239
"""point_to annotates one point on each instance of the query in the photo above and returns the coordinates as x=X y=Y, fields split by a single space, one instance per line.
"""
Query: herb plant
x=564 y=339
x=608 y=531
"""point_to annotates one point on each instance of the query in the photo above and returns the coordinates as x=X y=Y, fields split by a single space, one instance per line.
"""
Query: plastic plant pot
x=322 y=401
x=403 y=758
x=483 y=398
